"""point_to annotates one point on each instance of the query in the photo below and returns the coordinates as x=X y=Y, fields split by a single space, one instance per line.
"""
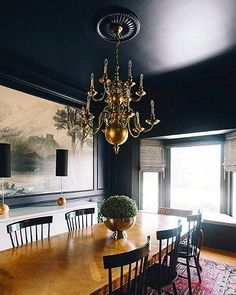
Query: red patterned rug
x=217 y=279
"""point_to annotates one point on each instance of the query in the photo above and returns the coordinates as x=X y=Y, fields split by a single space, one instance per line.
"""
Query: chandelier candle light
x=117 y=119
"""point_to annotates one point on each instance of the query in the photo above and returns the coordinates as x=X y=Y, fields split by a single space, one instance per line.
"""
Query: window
x=150 y=188
x=234 y=195
x=195 y=177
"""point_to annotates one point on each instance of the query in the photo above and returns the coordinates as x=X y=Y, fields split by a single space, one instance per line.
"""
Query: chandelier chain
x=117 y=49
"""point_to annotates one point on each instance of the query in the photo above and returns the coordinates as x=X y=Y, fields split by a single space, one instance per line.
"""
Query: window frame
x=230 y=182
x=160 y=188
x=225 y=192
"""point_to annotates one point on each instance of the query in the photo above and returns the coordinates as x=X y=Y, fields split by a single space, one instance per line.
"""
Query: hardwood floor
x=219 y=256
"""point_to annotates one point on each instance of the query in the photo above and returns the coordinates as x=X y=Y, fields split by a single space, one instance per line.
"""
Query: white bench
x=219 y=232
x=58 y=212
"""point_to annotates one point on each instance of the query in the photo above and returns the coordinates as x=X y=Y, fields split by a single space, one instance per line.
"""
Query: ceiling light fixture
x=118 y=118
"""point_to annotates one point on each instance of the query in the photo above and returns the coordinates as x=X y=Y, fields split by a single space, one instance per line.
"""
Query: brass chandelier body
x=117 y=119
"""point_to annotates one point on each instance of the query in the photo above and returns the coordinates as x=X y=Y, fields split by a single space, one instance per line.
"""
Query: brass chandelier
x=118 y=119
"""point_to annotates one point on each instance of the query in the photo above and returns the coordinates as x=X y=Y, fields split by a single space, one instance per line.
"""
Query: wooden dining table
x=72 y=263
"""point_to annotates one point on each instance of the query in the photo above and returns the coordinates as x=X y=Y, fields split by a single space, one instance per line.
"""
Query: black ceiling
x=183 y=46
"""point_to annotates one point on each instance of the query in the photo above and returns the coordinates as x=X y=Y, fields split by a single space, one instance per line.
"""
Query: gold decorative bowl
x=119 y=226
x=4 y=209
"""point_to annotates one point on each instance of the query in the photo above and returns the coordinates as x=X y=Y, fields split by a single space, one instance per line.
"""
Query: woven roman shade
x=230 y=152
x=151 y=156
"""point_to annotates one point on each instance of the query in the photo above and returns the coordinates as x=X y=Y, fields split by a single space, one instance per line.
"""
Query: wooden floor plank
x=219 y=256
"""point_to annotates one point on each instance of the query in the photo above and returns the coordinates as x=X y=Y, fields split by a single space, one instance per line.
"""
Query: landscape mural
x=35 y=128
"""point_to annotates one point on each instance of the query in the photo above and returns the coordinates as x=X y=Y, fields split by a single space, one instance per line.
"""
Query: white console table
x=58 y=212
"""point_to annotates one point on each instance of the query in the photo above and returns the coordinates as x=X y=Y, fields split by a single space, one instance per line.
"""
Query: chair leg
x=198 y=261
x=198 y=268
x=200 y=243
x=174 y=289
x=189 y=277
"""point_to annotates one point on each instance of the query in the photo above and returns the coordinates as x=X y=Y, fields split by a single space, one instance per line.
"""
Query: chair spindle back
x=169 y=241
x=29 y=230
x=194 y=232
x=80 y=218
x=132 y=267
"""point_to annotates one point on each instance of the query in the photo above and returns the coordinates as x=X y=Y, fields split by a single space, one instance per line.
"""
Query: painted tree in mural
x=69 y=119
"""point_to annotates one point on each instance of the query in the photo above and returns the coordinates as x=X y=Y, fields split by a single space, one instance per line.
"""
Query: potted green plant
x=120 y=214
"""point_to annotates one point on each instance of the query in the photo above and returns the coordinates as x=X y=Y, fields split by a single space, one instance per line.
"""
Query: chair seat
x=155 y=278
x=183 y=251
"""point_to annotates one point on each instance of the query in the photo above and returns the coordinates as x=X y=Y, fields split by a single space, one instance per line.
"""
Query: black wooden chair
x=132 y=266
x=80 y=218
x=29 y=230
x=183 y=213
x=163 y=273
x=189 y=248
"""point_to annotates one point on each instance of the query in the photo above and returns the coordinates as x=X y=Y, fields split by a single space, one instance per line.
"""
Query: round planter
x=119 y=226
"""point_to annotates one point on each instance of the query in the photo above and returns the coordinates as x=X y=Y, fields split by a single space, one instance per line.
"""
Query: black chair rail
x=132 y=267
x=29 y=230
x=80 y=218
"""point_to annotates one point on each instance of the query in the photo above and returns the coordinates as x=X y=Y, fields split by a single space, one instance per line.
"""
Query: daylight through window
x=195 y=177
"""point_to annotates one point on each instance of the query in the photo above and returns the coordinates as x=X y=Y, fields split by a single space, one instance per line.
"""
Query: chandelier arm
x=147 y=129
x=99 y=99
x=106 y=113
x=131 y=132
x=126 y=122
x=130 y=113
x=135 y=99
x=100 y=122
x=94 y=131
